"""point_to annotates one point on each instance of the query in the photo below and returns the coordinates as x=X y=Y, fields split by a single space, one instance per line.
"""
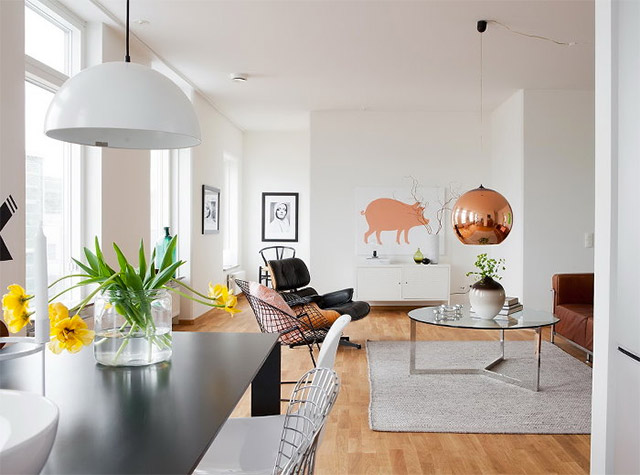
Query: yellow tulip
x=231 y=301
x=57 y=312
x=218 y=292
x=231 y=310
x=16 y=321
x=69 y=334
x=15 y=305
x=224 y=298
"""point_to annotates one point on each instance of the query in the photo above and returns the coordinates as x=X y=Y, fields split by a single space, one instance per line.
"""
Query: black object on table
x=154 y=419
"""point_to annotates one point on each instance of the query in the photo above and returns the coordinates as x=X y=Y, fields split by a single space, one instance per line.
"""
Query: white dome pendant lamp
x=122 y=105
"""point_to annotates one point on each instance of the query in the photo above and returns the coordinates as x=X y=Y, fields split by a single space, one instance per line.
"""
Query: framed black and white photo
x=210 y=210
x=280 y=217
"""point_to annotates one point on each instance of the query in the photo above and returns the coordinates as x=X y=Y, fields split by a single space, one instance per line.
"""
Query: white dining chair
x=252 y=445
x=284 y=444
x=329 y=348
x=304 y=422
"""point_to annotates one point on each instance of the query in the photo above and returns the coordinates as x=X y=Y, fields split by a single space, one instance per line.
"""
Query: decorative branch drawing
x=443 y=206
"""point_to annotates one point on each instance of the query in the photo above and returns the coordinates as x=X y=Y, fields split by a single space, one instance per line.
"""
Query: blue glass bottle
x=161 y=248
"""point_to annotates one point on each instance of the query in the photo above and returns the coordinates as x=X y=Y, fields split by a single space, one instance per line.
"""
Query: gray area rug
x=474 y=403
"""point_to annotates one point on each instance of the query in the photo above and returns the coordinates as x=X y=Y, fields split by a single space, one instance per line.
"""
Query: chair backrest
x=310 y=403
x=327 y=356
x=272 y=319
x=289 y=274
x=572 y=288
x=275 y=253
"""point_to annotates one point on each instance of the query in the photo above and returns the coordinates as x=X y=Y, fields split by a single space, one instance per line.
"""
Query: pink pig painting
x=387 y=214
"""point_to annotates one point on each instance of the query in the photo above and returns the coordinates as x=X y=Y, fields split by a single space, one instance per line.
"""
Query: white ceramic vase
x=432 y=248
x=486 y=298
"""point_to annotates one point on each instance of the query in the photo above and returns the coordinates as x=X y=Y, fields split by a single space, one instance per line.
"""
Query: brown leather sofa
x=573 y=305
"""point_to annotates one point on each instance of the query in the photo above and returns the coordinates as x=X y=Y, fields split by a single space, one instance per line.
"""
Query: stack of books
x=511 y=305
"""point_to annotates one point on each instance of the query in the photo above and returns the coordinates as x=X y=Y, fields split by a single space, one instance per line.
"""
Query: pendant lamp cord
x=481 y=95
x=127 y=58
x=536 y=37
x=482 y=27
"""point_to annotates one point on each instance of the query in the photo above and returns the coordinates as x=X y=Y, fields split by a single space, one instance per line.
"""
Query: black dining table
x=154 y=419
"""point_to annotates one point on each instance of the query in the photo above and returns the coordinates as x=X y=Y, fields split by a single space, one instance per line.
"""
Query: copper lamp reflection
x=482 y=216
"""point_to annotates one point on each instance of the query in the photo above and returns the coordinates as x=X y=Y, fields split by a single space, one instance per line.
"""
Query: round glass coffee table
x=525 y=319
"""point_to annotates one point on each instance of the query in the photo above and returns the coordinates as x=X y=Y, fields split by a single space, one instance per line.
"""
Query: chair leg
x=313 y=360
x=344 y=341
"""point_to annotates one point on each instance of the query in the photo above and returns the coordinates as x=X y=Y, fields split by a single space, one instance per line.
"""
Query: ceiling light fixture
x=122 y=105
x=482 y=216
x=238 y=77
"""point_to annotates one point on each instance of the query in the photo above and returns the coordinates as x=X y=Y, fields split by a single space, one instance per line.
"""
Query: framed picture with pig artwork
x=391 y=222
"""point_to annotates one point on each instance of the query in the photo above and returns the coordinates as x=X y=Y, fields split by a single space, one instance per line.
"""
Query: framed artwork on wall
x=210 y=210
x=391 y=222
x=280 y=217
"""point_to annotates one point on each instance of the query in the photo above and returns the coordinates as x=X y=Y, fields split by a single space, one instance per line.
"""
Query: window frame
x=50 y=79
x=166 y=178
x=231 y=213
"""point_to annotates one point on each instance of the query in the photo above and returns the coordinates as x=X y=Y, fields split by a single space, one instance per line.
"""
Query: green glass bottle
x=161 y=248
x=417 y=257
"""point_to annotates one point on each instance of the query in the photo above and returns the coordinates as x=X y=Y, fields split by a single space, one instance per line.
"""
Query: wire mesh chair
x=307 y=327
x=311 y=401
x=271 y=253
x=280 y=444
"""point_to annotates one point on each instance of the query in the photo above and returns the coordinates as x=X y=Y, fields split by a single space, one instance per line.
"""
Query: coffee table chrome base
x=487 y=370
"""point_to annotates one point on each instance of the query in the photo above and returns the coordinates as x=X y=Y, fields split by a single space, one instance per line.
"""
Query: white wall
x=507 y=171
x=603 y=398
x=616 y=378
x=543 y=160
x=12 y=152
x=279 y=162
x=125 y=202
x=559 y=189
x=351 y=149
x=218 y=136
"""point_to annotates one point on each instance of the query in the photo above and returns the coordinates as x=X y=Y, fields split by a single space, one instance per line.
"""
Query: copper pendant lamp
x=482 y=216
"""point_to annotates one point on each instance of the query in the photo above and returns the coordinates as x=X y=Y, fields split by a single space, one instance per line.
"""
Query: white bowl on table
x=28 y=425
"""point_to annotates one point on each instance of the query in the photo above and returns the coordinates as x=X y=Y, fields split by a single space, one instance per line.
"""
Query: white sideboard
x=403 y=283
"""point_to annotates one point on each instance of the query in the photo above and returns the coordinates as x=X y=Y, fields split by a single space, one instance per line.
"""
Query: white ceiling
x=304 y=56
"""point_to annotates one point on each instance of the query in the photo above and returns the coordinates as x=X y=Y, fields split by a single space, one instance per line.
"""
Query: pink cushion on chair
x=270 y=296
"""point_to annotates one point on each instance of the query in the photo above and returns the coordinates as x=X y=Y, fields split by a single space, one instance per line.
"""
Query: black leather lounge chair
x=291 y=277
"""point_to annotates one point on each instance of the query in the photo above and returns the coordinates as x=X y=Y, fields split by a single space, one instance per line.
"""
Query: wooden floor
x=351 y=447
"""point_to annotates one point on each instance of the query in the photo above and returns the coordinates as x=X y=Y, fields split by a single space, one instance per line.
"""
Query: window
x=52 y=167
x=160 y=190
x=163 y=197
x=231 y=212
x=46 y=39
